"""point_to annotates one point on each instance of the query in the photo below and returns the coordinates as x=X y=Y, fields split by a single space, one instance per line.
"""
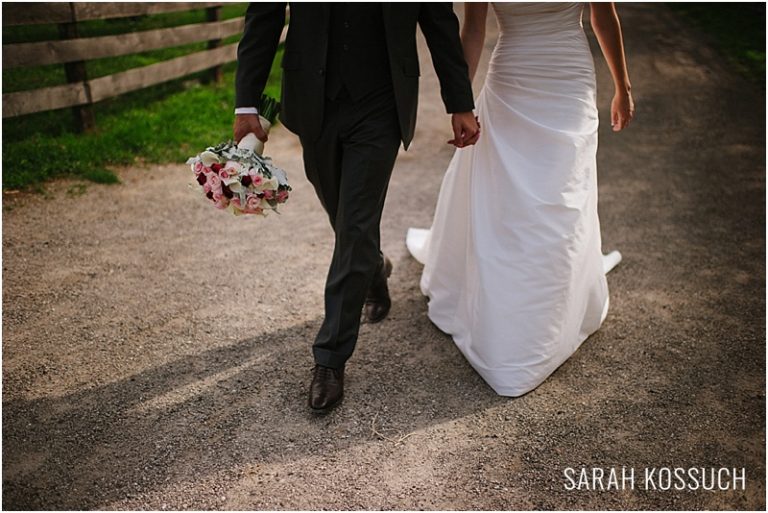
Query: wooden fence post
x=84 y=119
x=214 y=14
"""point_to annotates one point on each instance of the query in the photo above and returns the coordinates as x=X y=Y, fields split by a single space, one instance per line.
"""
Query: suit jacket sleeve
x=264 y=23
x=441 y=30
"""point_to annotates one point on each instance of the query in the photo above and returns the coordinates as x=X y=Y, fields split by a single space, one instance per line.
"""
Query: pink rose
x=198 y=167
x=253 y=202
x=224 y=174
x=234 y=167
x=215 y=182
x=207 y=187
x=257 y=180
x=221 y=203
x=282 y=196
x=269 y=194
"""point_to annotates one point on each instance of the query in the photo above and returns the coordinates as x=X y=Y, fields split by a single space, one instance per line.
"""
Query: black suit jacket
x=305 y=57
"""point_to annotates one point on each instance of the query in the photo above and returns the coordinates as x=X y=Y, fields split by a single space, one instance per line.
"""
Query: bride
x=512 y=264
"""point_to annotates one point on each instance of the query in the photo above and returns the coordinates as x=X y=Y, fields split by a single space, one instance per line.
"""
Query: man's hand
x=466 y=129
x=247 y=123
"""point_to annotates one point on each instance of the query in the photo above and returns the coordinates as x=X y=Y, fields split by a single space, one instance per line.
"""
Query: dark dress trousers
x=350 y=91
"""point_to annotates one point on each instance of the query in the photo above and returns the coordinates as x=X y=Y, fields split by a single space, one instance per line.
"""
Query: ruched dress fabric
x=513 y=263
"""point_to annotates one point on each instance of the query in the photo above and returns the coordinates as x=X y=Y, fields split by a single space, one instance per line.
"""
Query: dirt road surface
x=156 y=352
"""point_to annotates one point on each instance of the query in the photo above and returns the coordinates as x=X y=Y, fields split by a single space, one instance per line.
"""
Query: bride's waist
x=539 y=58
x=531 y=28
x=535 y=73
x=558 y=37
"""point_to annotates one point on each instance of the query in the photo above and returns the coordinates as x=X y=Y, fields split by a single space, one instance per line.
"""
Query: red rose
x=201 y=178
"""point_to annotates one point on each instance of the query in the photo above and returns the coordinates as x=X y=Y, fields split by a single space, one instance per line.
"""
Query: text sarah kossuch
x=654 y=478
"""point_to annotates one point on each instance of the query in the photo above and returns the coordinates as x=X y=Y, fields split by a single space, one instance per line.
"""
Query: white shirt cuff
x=246 y=110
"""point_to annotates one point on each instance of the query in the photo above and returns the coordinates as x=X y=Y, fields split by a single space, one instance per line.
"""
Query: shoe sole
x=327 y=409
x=379 y=319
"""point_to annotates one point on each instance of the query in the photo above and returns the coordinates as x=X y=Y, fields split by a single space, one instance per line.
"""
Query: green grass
x=170 y=123
x=736 y=29
x=164 y=123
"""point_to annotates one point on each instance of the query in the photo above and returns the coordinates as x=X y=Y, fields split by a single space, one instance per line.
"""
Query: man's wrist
x=246 y=110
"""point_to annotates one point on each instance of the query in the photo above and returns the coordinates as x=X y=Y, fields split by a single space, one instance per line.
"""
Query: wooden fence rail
x=73 y=51
x=32 y=13
x=88 y=48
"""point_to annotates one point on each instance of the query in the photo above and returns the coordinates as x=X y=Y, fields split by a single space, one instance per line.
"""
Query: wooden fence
x=73 y=51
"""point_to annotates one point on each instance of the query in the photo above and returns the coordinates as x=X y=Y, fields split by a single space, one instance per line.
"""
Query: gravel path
x=156 y=353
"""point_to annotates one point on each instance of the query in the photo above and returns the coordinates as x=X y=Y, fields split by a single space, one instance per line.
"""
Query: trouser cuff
x=328 y=358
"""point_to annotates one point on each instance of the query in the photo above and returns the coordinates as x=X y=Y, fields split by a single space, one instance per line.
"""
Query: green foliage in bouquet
x=269 y=108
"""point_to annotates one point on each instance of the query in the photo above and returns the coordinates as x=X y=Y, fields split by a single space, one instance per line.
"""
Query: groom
x=349 y=91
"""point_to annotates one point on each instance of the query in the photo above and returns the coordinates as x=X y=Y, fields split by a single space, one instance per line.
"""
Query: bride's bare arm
x=473 y=34
x=605 y=23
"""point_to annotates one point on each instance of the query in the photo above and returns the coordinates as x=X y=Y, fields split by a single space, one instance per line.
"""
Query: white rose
x=208 y=158
x=270 y=184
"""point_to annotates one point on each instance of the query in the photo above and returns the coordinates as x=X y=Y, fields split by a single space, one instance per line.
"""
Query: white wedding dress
x=512 y=264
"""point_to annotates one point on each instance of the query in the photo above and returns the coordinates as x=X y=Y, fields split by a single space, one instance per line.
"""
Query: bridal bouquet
x=236 y=177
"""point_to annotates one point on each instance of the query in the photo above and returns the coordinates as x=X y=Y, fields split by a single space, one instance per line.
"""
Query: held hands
x=246 y=124
x=466 y=129
x=622 y=110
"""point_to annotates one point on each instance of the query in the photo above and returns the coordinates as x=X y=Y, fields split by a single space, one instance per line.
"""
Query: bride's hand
x=622 y=110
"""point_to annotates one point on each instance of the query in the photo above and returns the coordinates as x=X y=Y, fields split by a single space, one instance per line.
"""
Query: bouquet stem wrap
x=251 y=142
x=265 y=125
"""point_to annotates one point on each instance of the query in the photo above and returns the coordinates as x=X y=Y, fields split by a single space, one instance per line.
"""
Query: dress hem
x=507 y=391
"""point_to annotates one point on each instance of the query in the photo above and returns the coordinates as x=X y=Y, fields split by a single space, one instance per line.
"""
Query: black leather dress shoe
x=327 y=388
x=377 y=302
